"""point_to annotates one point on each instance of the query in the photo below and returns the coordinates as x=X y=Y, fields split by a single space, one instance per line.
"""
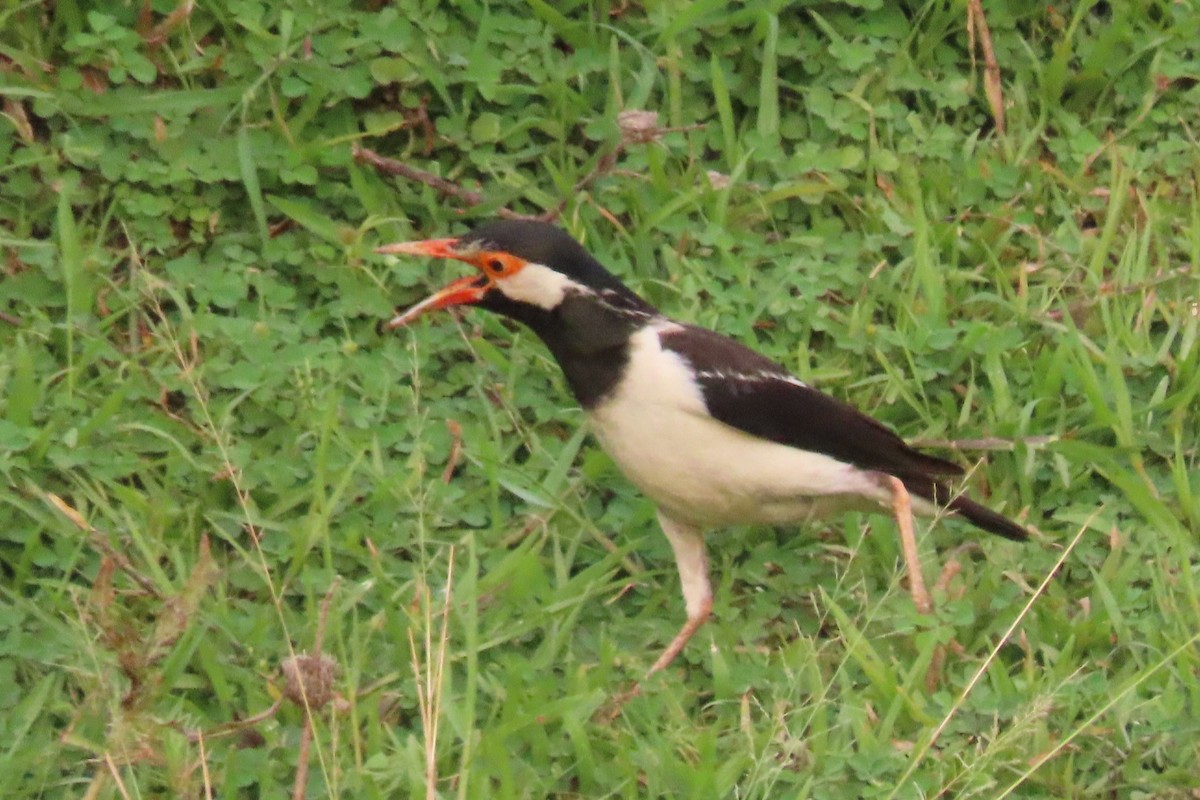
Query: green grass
x=205 y=442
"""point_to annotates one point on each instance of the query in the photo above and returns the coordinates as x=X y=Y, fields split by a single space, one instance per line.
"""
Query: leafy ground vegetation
x=219 y=478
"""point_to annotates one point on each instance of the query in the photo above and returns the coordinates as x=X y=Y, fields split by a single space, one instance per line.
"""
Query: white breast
x=699 y=470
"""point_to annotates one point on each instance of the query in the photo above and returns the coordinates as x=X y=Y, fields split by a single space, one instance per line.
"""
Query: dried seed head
x=717 y=180
x=309 y=676
x=638 y=127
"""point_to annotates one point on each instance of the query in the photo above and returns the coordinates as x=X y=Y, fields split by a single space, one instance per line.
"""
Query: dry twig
x=455 y=450
x=977 y=25
x=391 y=166
x=637 y=128
x=987 y=443
x=310 y=683
x=430 y=676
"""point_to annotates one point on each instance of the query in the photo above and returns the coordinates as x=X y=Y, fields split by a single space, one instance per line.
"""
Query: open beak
x=438 y=248
x=464 y=291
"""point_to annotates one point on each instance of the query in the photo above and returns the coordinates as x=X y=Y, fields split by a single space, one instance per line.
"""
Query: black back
x=766 y=401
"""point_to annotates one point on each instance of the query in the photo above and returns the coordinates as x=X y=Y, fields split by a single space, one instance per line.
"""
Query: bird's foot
x=902 y=508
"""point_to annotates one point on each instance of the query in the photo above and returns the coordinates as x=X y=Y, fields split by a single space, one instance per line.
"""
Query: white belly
x=701 y=471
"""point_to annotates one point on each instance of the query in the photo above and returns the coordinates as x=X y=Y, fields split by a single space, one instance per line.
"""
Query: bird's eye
x=496 y=266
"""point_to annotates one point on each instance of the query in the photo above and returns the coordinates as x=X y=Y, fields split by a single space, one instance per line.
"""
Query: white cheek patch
x=538 y=285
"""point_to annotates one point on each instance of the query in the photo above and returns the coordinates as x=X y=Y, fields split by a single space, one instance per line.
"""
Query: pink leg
x=902 y=508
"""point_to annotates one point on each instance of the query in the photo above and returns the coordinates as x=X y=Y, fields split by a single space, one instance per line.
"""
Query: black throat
x=587 y=333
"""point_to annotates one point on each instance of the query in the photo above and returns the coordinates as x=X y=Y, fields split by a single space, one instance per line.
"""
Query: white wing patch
x=611 y=300
x=759 y=376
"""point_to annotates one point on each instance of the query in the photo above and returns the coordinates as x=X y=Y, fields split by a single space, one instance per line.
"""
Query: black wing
x=750 y=392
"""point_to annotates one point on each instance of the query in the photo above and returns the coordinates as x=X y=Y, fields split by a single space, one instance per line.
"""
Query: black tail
x=988 y=520
x=979 y=516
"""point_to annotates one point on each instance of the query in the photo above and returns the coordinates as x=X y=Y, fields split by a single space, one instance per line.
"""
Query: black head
x=527 y=269
x=546 y=244
x=536 y=274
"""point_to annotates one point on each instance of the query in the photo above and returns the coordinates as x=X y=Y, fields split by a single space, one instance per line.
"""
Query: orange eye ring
x=499 y=264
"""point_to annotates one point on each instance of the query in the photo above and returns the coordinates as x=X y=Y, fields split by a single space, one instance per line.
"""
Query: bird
x=713 y=432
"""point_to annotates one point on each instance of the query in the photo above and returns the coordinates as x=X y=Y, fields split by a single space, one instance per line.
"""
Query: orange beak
x=438 y=248
x=464 y=291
